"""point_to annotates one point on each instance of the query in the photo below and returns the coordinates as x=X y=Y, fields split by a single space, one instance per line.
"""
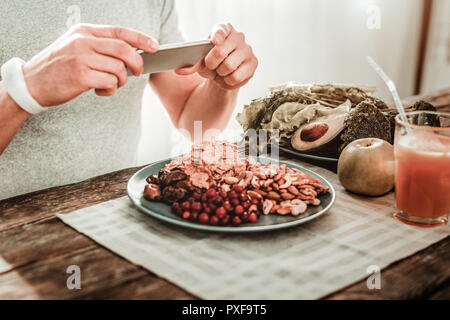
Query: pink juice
x=422 y=178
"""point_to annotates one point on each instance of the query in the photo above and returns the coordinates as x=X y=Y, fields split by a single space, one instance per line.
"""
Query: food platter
x=162 y=211
x=306 y=155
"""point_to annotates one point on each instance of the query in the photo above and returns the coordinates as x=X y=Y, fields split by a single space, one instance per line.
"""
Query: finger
x=105 y=92
x=221 y=82
x=101 y=81
x=232 y=62
x=220 y=32
x=190 y=70
x=134 y=38
x=111 y=65
x=244 y=72
x=218 y=54
x=120 y=50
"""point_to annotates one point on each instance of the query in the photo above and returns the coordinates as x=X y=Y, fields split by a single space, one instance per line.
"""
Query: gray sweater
x=89 y=135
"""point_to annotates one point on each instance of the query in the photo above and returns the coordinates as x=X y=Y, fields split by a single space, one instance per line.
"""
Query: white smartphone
x=175 y=55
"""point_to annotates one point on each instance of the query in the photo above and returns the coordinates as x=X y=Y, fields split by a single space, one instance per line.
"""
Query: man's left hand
x=230 y=64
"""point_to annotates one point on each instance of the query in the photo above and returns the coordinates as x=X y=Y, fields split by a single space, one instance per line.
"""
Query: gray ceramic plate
x=162 y=211
x=307 y=156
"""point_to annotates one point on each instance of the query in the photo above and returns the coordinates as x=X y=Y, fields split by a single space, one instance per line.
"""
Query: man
x=84 y=132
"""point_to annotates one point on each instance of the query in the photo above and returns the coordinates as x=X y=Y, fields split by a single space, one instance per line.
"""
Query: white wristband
x=14 y=82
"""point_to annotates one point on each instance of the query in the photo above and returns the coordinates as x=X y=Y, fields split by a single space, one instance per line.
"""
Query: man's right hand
x=86 y=57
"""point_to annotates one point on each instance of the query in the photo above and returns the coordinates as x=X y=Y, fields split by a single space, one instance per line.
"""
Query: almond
x=254 y=195
x=261 y=192
x=293 y=190
x=273 y=195
x=287 y=196
x=284 y=210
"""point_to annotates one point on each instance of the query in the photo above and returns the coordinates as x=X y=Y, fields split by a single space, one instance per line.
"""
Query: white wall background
x=437 y=59
x=301 y=40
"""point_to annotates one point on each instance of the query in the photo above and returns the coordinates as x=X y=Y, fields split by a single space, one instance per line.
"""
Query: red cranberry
x=232 y=194
x=218 y=200
x=223 y=194
x=244 y=216
x=203 y=218
x=227 y=205
x=211 y=193
x=196 y=206
x=243 y=196
x=204 y=198
x=207 y=210
x=225 y=220
x=238 y=210
x=186 y=215
x=214 y=221
x=213 y=207
x=194 y=216
x=238 y=188
x=186 y=205
x=236 y=221
x=235 y=202
x=252 y=218
x=246 y=204
x=221 y=212
x=254 y=201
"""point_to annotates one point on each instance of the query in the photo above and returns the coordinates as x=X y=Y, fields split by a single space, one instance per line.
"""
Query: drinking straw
x=391 y=86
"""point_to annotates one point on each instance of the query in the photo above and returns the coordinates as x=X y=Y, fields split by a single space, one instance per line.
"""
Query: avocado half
x=320 y=137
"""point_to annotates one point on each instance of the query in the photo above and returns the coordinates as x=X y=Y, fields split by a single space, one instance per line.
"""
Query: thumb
x=189 y=70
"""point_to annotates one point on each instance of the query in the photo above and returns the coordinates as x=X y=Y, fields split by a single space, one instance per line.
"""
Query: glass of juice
x=422 y=168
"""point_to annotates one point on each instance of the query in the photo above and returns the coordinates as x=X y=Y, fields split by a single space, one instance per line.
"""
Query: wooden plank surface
x=36 y=248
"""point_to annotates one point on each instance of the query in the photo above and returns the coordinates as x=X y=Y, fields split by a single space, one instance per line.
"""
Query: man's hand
x=86 y=57
x=230 y=64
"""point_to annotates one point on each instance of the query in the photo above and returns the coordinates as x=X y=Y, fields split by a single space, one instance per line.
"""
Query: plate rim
x=242 y=229
x=307 y=155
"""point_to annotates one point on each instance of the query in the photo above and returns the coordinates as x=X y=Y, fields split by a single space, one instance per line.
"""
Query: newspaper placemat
x=304 y=262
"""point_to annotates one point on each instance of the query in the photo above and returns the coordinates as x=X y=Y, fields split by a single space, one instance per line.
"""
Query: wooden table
x=36 y=248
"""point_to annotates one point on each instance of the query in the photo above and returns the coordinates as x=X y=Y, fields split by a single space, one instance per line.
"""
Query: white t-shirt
x=89 y=135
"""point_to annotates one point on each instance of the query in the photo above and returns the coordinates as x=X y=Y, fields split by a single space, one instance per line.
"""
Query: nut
x=286 y=203
x=275 y=208
x=260 y=175
x=254 y=195
x=261 y=192
x=315 y=202
x=298 y=208
x=268 y=182
x=293 y=190
x=225 y=187
x=273 y=195
x=284 y=210
x=231 y=180
x=275 y=186
x=288 y=182
x=267 y=206
x=255 y=182
x=253 y=208
x=287 y=196
x=313 y=131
